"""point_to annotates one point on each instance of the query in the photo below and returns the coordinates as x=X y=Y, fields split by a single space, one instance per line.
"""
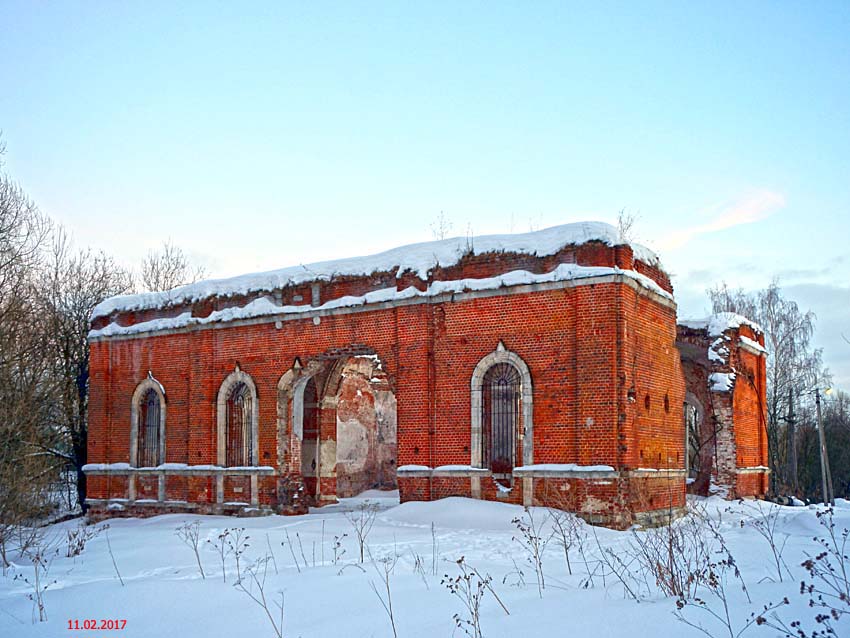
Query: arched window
x=500 y=419
x=237 y=421
x=147 y=424
x=148 y=450
x=239 y=411
x=502 y=425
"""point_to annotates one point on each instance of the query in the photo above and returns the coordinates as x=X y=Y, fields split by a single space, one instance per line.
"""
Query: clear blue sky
x=261 y=135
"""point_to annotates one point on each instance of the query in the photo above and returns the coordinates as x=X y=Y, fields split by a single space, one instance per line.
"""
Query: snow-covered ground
x=163 y=593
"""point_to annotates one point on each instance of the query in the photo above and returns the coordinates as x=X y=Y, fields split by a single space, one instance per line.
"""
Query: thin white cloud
x=754 y=207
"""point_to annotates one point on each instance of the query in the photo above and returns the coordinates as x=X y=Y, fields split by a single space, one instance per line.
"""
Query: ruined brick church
x=544 y=368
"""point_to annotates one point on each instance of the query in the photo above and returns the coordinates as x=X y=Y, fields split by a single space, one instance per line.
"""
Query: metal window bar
x=148 y=430
x=502 y=393
x=239 y=413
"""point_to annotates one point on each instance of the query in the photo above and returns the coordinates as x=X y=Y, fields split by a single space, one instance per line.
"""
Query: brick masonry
x=394 y=386
x=733 y=423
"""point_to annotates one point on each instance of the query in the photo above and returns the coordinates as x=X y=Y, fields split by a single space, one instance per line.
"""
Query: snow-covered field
x=163 y=593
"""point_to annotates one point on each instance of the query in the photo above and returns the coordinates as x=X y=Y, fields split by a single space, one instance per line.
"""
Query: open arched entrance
x=698 y=446
x=337 y=424
x=310 y=440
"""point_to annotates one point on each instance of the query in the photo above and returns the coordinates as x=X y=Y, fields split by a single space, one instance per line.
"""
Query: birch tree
x=794 y=366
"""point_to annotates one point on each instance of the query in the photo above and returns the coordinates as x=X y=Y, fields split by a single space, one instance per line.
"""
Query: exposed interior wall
x=733 y=443
x=366 y=429
x=693 y=350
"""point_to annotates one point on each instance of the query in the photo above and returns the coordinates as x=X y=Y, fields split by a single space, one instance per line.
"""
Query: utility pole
x=826 y=477
x=792 y=443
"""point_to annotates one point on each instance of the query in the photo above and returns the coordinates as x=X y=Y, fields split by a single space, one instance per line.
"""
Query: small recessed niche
x=667 y=403
x=416 y=450
x=646 y=402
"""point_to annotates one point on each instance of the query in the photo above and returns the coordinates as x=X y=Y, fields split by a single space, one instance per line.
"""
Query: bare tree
x=47 y=294
x=168 y=268
x=441 y=227
x=25 y=383
x=71 y=284
x=793 y=365
x=625 y=225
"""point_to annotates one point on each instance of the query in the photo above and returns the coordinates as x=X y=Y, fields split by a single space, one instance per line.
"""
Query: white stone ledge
x=758 y=469
x=648 y=472
x=539 y=471
x=423 y=471
x=459 y=471
x=126 y=503
x=568 y=470
x=544 y=472
x=413 y=471
x=175 y=469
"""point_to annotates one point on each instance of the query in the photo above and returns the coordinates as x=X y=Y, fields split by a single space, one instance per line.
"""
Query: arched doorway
x=310 y=434
x=337 y=423
x=698 y=447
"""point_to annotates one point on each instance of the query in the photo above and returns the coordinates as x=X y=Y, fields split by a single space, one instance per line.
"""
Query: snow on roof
x=265 y=307
x=720 y=322
x=418 y=258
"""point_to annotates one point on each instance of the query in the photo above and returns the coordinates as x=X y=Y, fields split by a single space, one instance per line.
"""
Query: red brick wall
x=586 y=347
x=653 y=427
x=736 y=419
x=749 y=406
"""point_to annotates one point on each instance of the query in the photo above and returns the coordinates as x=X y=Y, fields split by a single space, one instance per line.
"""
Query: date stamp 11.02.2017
x=97 y=624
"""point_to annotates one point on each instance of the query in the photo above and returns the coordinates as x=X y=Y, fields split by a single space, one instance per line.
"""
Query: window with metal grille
x=502 y=393
x=239 y=423
x=147 y=449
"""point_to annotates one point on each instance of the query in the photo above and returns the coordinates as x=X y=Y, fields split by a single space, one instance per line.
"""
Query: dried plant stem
x=112 y=556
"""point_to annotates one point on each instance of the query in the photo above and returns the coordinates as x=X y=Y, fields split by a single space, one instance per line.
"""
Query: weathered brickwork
x=731 y=420
x=393 y=388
